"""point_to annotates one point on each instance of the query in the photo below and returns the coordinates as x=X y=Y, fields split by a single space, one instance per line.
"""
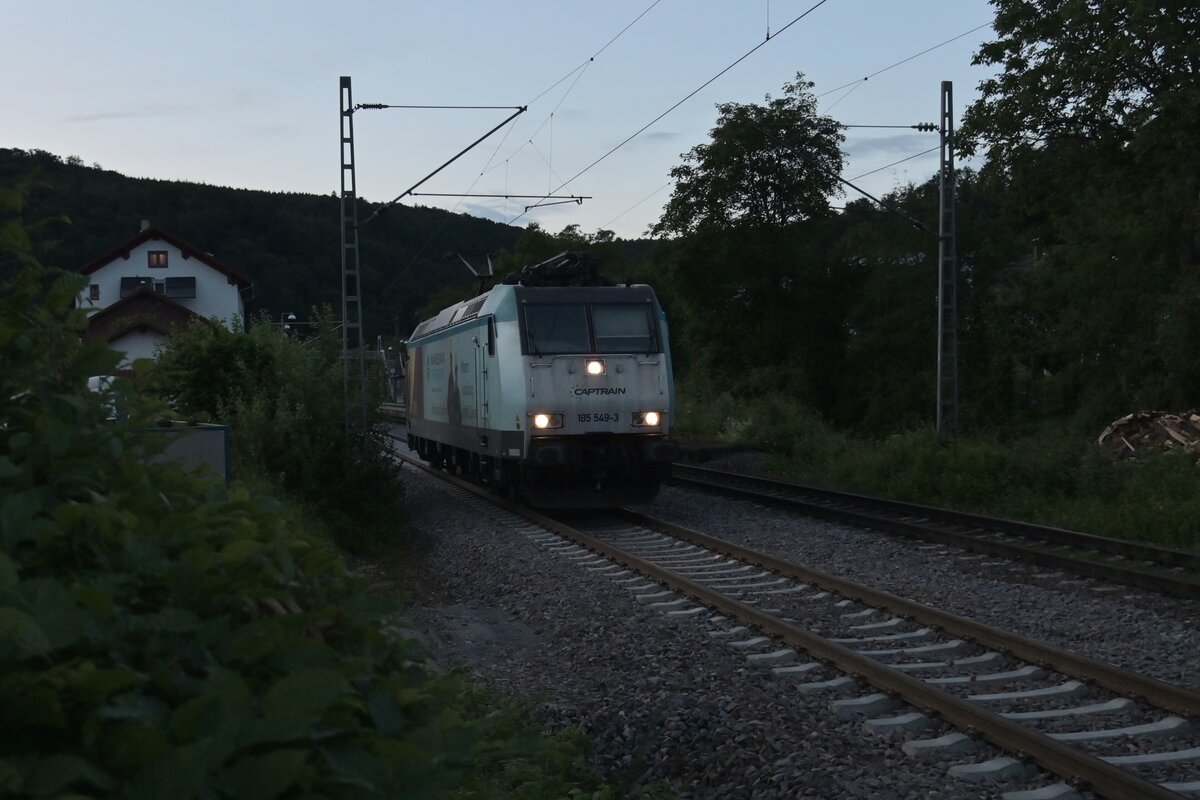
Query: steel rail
x=1105 y=779
x=1159 y=693
x=1158 y=581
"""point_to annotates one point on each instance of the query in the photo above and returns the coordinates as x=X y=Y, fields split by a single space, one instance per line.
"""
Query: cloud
x=661 y=136
x=494 y=213
x=273 y=130
x=140 y=113
x=898 y=145
x=572 y=115
x=232 y=101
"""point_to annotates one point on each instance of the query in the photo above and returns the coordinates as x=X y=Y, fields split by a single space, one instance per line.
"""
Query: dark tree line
x=1078 y=239
x=287 y=243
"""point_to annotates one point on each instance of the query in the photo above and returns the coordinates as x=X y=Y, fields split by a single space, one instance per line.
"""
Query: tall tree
x=765 y=165
x=1086 y=69
x=754 y=299
x=1093 y=126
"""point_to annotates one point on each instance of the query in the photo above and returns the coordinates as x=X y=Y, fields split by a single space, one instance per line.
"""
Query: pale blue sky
x=245 y=94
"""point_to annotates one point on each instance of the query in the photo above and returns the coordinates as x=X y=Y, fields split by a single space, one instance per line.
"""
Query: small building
x=153 y=283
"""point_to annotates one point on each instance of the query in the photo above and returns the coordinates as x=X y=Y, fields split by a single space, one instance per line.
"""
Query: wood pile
x=1149 y=431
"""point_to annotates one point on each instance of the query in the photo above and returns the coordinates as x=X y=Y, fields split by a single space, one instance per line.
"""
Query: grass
x=1054 y=478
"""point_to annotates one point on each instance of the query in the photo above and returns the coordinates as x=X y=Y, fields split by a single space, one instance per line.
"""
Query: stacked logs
x=1150 y=431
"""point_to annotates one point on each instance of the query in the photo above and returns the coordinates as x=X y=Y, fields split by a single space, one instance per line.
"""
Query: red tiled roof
x=156 y=233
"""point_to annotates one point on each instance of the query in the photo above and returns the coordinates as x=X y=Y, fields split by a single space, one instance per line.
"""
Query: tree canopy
x=764 y=165
x=1093 y=70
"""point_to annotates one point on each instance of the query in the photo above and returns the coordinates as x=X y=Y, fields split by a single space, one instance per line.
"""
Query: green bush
x=1053 y=477
x=162 y=636
x=282 y=397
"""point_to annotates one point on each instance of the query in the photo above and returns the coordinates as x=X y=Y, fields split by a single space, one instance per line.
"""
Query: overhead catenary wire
x=380 y=106
x=851 y=86
x=680 y=102
x=635 y=205
x=916 y=223
x=849 y=92
x=903 y=61
x=578 y=73
x=520 y=110
x=901 y=161
x=579 y=69
x=593 y=56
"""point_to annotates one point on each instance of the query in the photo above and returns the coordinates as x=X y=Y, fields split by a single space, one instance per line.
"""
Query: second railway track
x=1166 y=570
x=1062 y=710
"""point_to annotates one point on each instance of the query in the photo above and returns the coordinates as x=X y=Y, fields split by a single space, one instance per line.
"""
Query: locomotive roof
x=569 y=277
x=459 y=312
x=469 y=309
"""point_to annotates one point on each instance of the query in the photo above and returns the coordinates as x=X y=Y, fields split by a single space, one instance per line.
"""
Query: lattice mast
x=354 y=363
x=947 y=365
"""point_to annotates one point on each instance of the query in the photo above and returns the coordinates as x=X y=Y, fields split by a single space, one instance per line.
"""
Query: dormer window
x=157 y=258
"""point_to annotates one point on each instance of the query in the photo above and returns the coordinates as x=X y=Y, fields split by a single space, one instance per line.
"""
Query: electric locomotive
x=554 y=385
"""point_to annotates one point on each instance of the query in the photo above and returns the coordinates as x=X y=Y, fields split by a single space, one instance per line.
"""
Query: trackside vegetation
x=162 y=635
x=1054 y=477
x=282 y=397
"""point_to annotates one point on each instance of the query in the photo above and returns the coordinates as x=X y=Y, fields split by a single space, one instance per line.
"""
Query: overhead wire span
x=579 y=69
x=520 y=110
x=635 y=205
x=514 y=196
x=377 y=106
x=687 y=97
x=903 y=61
x=894 y=163
x=916 y=223
x=592 y=57
x=849 y=92
x=546 y=161
x=578 y=73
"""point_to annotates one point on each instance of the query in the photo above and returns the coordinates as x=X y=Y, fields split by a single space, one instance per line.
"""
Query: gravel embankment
x=670 y=708
x=1130 y=628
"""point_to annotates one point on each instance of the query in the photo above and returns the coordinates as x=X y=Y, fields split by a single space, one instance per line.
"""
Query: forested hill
x=286 y=242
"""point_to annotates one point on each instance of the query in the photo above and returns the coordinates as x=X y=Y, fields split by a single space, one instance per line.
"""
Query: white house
x=146 y=286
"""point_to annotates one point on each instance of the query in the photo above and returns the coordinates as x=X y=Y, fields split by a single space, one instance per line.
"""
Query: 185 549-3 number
x=599 y=416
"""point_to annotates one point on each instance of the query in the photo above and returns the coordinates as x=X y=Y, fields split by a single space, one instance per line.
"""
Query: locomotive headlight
x=647 y=419
x=651 y=418
x=544 y=421
x=594 y=366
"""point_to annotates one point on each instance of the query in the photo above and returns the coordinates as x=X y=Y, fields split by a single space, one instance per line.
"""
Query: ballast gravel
x=672 y=711
x=1135 y=629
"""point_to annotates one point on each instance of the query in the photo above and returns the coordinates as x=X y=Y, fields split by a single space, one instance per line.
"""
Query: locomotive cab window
x=557 y=329
x=623 y=328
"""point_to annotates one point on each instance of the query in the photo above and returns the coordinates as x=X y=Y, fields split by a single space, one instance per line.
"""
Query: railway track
x=1122 y=734
x=1166 y=570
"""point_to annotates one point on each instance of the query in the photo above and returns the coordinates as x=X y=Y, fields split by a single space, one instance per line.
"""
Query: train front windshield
x=562 y=329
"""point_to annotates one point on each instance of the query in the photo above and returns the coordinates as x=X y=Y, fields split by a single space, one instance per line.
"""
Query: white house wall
x=137 y=344
x=215 y=295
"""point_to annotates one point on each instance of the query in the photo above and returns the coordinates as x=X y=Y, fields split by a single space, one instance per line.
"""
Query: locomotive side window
x=491 y=336
x=623 y=328
x=555 y=328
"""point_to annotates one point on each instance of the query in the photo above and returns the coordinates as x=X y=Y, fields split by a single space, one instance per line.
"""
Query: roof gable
x=143 y=308
x=155 y=233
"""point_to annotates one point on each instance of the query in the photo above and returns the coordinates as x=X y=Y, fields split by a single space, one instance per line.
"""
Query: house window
x=157 y=258
x=94 y=292
x=180 y=287
x=131 y=285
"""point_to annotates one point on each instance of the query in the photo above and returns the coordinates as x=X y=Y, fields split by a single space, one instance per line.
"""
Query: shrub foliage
x=282 y=397
x=162 y=636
